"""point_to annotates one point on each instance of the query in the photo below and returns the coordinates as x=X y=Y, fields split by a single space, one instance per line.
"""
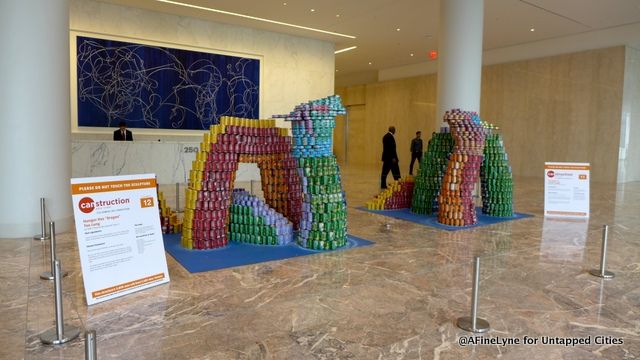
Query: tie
x=124 y=136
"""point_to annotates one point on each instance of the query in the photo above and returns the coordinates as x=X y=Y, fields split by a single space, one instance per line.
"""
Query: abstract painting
x=161 y=88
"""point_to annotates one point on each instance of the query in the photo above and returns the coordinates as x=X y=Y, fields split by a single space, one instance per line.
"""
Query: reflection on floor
x=397 y=299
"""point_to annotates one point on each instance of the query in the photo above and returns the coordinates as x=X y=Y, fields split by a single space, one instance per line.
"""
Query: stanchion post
x=90 y=345
x=474 y=323
x=602 y=272
x=43 y=225
x=49 y=275
x=251 y=186
x=61 y=333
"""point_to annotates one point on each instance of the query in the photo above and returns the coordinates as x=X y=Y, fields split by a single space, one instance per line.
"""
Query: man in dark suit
x=122 y=134
x=389 y=157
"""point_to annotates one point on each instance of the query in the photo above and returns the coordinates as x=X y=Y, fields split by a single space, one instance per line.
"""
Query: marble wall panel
x=560 y=108
x=170 y=161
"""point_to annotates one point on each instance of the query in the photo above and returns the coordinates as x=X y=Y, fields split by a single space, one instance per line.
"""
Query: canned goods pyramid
x=496 y=178
x=455 y=202
x=451 y=166
x=432 y=168
x=254 y=222
x=300 y=180
x=169 y=220
x=397 y=196
x=323 y=225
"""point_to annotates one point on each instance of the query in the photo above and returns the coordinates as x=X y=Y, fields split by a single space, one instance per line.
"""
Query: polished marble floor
x=397 y=299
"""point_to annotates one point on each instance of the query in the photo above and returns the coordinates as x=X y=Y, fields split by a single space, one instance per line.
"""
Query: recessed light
x=411 y=54
x=337 y=15
x=370 y=63
x=345 y=49
x=313 y=10
x=532 y=29
x=397 y=29
x=285 y=4
x=218 y=11
x=337 y=70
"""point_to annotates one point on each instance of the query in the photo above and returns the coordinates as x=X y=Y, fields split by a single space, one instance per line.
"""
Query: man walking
x=389 y=157
x=416 y=151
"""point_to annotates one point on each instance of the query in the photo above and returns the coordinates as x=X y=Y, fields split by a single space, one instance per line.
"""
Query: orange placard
x=146 y=202
x=567 y=167
x=127 y=285
x=107 y=186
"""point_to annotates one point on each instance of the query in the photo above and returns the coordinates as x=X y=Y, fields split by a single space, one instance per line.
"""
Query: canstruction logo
x=551 y=173
x=87 y=204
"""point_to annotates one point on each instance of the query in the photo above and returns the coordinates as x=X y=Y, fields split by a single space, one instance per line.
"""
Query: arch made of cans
x=209 y=196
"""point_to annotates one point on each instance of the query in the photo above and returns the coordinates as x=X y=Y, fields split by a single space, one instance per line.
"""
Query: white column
x=35 y=149
x=459 y=55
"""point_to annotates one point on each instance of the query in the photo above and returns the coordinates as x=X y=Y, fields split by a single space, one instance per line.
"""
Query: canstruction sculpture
x=456 y=157
x=300 y=181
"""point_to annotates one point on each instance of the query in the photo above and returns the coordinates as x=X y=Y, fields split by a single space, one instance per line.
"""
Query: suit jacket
x=389 y=148
x=117 y=135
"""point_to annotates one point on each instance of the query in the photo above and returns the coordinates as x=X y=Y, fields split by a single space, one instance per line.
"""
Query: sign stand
x=119 y=235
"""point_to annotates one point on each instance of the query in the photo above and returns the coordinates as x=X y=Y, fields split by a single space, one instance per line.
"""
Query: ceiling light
x=285 y=4
x=313 y=10
x=255 y=18
x=337 y=15
x=411 y=54
x=345 y=49
x=370 y=63
x=532 y=29
x=397 y=29
x=337 y=70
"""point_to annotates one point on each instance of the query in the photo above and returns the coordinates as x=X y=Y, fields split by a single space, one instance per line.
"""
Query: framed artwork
x=158 y=87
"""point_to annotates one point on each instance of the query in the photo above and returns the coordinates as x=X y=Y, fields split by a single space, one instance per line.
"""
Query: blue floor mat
x=238 y=254
x=432 y=220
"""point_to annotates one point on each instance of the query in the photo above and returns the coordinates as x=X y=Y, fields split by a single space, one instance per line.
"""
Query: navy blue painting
x=162 y=88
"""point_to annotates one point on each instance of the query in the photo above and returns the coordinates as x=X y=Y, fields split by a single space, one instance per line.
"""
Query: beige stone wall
x=559 y=108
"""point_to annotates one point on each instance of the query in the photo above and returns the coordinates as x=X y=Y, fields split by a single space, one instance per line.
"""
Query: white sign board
x=119 y=235
x=566 y=189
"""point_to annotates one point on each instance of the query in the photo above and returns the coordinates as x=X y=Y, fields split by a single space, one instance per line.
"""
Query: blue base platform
x=238 y=254
x=432 y=220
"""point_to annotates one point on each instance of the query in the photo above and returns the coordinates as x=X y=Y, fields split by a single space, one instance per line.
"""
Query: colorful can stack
x=396 y=196
x=496 y=178
x=323 y=225
x=208 y=197
x=169 y=220
x=456 y=207
x=432 y=168
x=254 y=222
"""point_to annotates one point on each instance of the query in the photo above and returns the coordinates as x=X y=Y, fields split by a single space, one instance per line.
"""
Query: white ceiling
x=375 y=23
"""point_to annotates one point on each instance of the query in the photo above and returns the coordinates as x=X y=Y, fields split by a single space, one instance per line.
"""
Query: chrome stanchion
x=90 y=345
x=251 y=186
x=602 y=272
x=48 y=275
x=61 y=333
x=474 y=323
x=43 y=226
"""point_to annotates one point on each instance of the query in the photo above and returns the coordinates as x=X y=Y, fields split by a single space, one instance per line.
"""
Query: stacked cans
x=169 y=220
x=323 y=225
x=496 y=178
x=456 y=207
x=254 y=222
x=208 y=198
x=432 y=168
x=397 y=196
